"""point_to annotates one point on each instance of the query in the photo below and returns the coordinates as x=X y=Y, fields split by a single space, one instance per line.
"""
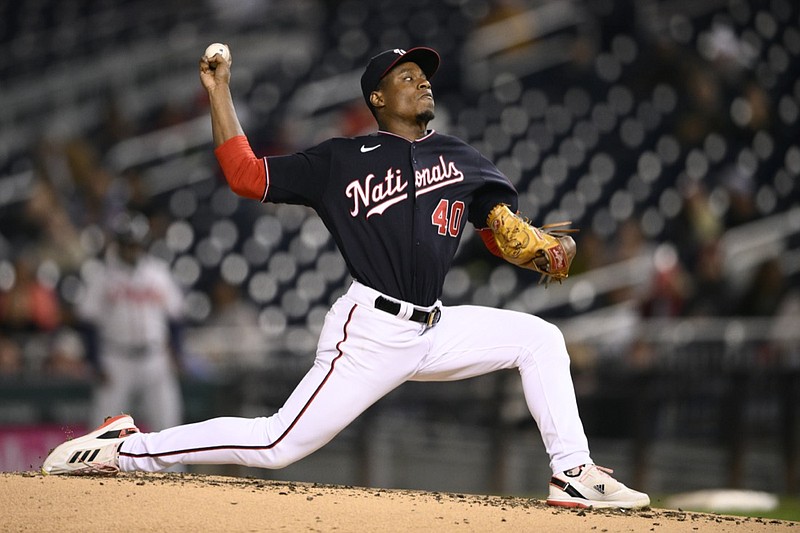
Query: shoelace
x=100 y=468
x=605 y=470
x=97 y=469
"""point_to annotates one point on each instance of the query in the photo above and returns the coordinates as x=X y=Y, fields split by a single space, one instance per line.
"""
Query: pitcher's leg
x=344 y=380
x=471 y=341
x=550 y=395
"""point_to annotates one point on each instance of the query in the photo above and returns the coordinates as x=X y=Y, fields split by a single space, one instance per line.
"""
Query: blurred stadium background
x=668 y=130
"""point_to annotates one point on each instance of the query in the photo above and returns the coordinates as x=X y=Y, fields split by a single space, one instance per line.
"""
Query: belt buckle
x=433 y=317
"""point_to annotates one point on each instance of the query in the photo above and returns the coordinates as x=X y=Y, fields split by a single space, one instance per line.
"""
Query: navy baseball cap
x=381 y=64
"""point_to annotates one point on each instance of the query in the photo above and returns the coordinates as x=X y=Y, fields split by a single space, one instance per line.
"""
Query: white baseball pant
x=363 y=354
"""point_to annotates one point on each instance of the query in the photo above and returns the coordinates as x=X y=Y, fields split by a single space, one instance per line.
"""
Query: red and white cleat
x=94 y=453
x=592 y=486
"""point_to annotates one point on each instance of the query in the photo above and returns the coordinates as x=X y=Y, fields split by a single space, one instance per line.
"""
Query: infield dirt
x=186 y=502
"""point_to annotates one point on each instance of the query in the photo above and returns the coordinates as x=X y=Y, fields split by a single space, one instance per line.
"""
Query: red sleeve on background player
x=488 y=239
x=245 y=173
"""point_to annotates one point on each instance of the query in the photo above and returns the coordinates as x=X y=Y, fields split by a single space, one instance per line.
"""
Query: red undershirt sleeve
x=245 y=173
x=488 y=240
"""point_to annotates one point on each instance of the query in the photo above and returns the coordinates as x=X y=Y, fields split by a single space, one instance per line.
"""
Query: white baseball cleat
x=94 y=453
x=592 y=486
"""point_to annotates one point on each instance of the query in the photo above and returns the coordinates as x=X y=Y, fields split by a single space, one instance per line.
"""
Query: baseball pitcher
x=397 y=203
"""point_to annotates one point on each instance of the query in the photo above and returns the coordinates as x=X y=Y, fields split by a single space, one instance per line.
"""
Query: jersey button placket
x=414 y=166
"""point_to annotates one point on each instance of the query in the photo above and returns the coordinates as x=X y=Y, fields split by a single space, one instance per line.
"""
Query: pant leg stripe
x=288 y=429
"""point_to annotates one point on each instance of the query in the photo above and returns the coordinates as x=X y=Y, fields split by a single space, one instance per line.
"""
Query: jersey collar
x=424 y=137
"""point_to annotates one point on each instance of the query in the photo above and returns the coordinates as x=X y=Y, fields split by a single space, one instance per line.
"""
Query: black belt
x=429 y=318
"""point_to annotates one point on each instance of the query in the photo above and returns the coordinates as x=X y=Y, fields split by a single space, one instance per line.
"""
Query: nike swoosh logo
x=364 y=149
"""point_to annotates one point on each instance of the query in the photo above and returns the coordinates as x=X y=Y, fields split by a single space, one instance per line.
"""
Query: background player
x=132 y=310
x=396 y=203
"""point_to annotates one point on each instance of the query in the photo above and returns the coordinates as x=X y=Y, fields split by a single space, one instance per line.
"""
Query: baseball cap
x=381 y=64
x=130 y=228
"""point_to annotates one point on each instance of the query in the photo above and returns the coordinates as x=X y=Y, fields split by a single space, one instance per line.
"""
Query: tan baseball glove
x=548 y=250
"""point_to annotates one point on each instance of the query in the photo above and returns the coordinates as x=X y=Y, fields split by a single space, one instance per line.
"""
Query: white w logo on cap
x=399 y=51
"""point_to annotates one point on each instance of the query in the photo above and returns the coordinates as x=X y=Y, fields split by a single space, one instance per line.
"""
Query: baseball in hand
x=218 y=48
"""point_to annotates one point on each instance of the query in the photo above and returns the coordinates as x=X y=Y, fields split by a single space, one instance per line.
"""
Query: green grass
x=788 y=509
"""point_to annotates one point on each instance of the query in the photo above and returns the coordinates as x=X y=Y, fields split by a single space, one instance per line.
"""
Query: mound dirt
x=187 y=502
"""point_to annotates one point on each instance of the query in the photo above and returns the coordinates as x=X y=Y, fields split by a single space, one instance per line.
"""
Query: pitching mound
x=183 y=502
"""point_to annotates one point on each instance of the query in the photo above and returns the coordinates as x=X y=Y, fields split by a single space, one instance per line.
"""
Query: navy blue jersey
x=395 y=208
